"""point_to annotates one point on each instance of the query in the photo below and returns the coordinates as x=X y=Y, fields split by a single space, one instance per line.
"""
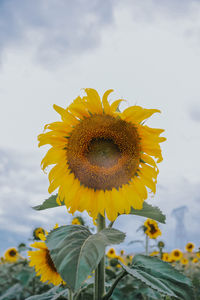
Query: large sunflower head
x=151 y=229
x=189 y=247
x=176 y=254
x=43 y=264
x=11 y=255
x=104 y=159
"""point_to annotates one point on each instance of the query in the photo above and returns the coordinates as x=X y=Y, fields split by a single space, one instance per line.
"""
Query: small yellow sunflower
x=154 y=253
x=37 y=232
x=184 y=261
x=104 y=159
x=11 y=255
x=111 y=253
x=176 y=254
x=122 y=252
x=166 y=257
x=198 y=254
x=151 y=229
x=189 y=247
x=76 y=221
x=43 y=264
x=195 y=260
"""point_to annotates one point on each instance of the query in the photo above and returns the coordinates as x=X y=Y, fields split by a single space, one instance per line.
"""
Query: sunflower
x=44 y=266
x=198 y=254
x=184 y=261
x=195 y=260
x=76 y=221
x=111 y=253
x=189 y=247
x=122 y=252
x=166 y=257
x=151 y=229
x=176 y=254
x=104 y=159
x=154 y=253
x=37 y=232
x=11 y=255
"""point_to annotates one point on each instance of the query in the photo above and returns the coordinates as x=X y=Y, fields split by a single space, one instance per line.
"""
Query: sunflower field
x=104 y=162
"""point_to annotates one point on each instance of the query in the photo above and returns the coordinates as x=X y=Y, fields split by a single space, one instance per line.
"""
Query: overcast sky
x=147 y=51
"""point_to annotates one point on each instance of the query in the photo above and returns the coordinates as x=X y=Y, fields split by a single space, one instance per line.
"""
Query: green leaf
x=160 y=276
x=48 y=203
x=76 y=252
x=12 y=292
x=149 y=211
x=53 y=294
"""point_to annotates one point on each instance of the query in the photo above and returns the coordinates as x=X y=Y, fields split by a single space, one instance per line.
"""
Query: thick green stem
x=99 y=285
x=70 y=294
x=147 y=245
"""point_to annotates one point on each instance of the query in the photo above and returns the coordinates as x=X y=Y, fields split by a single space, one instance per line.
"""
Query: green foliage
x=55 y=293
x=149 y=211
x=160 y=276
x=48 y=203
x=18 y=281
x=76 y=252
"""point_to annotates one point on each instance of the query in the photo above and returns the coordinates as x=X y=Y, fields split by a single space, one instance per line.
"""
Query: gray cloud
x=58 y=28
x=194 y=113
x=54 y=31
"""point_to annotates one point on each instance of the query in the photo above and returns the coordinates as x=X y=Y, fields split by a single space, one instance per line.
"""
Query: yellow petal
x=115 y=105
x=59 y=126
x=106 y=105
x=53 y=156
x=65 y=115
x=137 y=114
x=93 y=101
x=78 y=108
x=149 y=160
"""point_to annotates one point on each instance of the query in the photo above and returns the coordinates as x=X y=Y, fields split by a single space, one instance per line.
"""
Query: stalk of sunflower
x=104 y=159
x=151 y=231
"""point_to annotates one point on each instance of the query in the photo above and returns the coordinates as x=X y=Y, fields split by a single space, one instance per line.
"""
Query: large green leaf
x=160 y=276
x=76 y=252
x=48 y=203
x=149 y=211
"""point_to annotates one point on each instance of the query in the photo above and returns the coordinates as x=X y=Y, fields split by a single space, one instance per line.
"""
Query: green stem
x=147 y=245
x=70 y=294
x=119 y=277
x=99 y=285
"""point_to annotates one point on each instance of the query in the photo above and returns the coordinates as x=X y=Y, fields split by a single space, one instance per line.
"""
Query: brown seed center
x=103 y=153
x=13 y=253
x=152 y=229
x=49 y=261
